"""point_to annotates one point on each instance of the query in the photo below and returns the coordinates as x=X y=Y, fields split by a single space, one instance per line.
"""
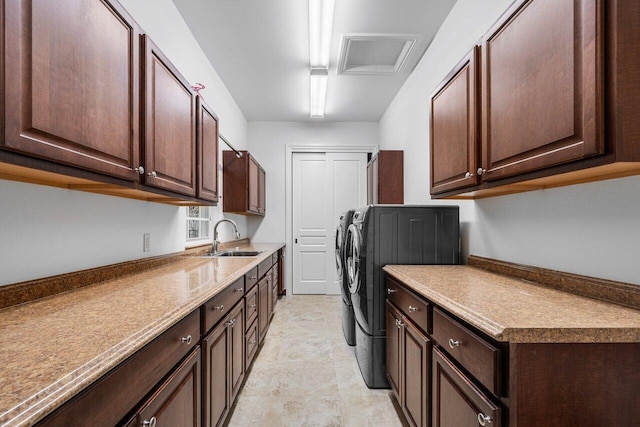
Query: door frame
x=293 y=148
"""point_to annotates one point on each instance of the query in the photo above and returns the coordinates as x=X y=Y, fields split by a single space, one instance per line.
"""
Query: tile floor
x=306 y=375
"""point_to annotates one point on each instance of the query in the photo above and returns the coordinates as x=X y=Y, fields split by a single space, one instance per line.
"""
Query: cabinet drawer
x=251 y=306
x=251 y=278
x=251 y=343
x=114 y=395
x=456 y=401
x=474 y=353
x=411 y=306
x=264 y=267
x=218 y=306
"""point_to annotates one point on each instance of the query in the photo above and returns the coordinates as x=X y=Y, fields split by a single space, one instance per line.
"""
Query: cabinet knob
x=252 y=342
x=239 y=290
x=253 y=306
x=253 y=277
x=391 y=291
x=453 y=343
x=150 y=423
x=468 y=175
x=481 y=171
x=412 y=308
x=152 y=174
x=186 y=339
x=399 y=323
x=219 y=307
x=484 y=419
x=139 y=169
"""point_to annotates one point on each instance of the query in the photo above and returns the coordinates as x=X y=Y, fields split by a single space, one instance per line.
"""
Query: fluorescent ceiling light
x=320 y=28
x=318 y=91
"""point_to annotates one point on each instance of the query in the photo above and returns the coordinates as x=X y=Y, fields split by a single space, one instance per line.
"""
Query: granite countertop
x=52 y=348
x=519 y=311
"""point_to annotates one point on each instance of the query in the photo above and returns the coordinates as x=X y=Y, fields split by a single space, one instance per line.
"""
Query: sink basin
x=235 y=253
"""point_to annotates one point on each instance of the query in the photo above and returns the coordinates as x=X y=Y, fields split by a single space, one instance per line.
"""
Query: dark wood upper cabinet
x=542 y=92
x=454 y=125
x=169 y=124
x=385 y=178
x=243 y=183
x=71 y=84
x=558 y=93
x=207 y=152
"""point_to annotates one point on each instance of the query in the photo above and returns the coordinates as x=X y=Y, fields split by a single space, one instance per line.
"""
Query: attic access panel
x=374 y=53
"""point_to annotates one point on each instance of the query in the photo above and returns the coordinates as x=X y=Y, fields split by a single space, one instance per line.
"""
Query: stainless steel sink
x=235 y=253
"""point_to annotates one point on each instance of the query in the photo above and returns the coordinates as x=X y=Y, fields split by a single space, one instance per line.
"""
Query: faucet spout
x=216 y=242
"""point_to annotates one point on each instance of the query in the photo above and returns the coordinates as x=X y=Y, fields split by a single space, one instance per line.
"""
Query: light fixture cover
x=320 y=29
x=318 y=92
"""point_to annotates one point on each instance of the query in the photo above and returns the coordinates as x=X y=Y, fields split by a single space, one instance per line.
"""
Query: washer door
x=353 y=258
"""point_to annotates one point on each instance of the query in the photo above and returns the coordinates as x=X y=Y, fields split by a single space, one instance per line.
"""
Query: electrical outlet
x=146 y=245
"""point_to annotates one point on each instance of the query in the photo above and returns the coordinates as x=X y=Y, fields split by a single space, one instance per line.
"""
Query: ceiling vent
x=374 y=53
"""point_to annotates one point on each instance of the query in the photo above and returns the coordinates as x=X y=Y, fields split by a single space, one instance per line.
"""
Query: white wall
x=590 y=229
x=268 y=142
x=46 y=231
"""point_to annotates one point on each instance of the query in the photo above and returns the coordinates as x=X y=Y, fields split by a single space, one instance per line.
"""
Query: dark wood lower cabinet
x=264 y=302
x=408 y=366
x=223 y=361
x=177 y=401
x=456 y=400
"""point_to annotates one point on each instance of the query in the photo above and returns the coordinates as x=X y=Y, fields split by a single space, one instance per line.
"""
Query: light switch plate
x=146 y=245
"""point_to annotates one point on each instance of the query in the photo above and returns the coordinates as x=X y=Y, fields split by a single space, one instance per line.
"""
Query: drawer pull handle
x=391 y=291
x=253 y=277
x=231 y=322
x=453 y=343
x=238 y=290
x=412 y=308
x=484 y=419
x=150 y=423
x=399 y=323
x=186 y=339
x=219 y=307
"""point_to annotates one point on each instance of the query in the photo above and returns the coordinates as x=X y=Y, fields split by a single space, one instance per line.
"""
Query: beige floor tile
x=306 y=375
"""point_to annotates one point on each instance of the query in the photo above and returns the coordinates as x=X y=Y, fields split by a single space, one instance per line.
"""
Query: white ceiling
x=260 y=50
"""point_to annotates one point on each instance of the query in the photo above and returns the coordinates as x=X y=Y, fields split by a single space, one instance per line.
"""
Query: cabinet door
x=254 y=184
x=216 y=385
x=456 y=401
x=170 y=125
x=393 y=319
x=263 y=307
x=416 y=366
x=207 y=152
x=262 y=190
x=71 y=84
x=177 y=400
x=454 y=136
x=236 y=349
x=542 y=90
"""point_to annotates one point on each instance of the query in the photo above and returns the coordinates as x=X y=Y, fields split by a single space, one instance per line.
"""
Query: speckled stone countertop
x=518 y=311
x=52 y=348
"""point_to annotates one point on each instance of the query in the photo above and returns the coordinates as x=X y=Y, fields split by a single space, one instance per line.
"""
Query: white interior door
x=324 y=185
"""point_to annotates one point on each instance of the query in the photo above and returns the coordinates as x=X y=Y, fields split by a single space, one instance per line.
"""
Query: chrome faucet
x=216 y=242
